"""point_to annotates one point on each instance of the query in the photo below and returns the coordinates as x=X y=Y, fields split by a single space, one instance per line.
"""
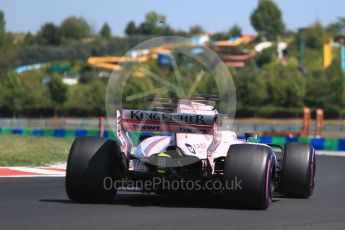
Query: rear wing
x=154 y=121
x=169 y=104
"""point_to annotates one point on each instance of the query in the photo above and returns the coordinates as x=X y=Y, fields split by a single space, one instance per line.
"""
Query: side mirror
x=250 y=135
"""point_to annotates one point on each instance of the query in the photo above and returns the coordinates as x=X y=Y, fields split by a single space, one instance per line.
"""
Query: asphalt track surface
x=41 y=203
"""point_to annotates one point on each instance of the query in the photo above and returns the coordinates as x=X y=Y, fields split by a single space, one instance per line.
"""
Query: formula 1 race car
x=183 y=141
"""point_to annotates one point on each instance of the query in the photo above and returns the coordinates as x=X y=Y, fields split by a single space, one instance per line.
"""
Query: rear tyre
x=253 y=168
x=298 y=170
x=91 y=160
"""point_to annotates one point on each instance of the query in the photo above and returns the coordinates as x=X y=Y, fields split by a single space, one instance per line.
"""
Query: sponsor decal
x=191 y=130
x=200 y=146
x=190 y=148
x=146 y=127
x=168 y=117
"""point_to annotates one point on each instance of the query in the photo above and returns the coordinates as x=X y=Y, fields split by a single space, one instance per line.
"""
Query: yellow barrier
x=327 y=54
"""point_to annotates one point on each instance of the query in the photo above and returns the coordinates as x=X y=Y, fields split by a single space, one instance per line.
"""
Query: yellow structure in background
x=113 y=63
x=327 y=54
x=244 y=39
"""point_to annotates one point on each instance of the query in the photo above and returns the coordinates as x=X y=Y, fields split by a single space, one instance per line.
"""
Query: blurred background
x=287 y=59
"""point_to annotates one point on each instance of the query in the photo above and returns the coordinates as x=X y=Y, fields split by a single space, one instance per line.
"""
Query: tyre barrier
x=62 y=133
x=332 y=144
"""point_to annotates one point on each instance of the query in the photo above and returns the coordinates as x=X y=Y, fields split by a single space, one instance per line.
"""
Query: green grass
x=33 y=151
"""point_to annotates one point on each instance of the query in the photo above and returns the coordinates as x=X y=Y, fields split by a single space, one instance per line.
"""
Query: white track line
x=37 y=170
x=33 y=176
x=330 y=153
x=59 y=165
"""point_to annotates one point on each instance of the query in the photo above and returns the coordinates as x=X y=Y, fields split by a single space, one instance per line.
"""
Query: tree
x=235 y=30
x=9 y=55
x=36 y=94
x=57 y=90
x=336 y=28
x=341 y=23
x=168 y=31
x=3 y=93
x=8 y=51
x=96 y=94
x=131 y=29
x=265 y=57
x=14 y=94
x=87 y=77
x=315 y=36
x=336 y=81
x=267 y=19
x=317 y=96
x=29 y=39
x=181 y=33
x=250 y=88
x=286 y=87
x=88 y=96
x=154 y=24
x=2 y=22
x=151 y=25
x=105 y=31
x=4 y=38
x=333 y=29
x=49 y=34
x=153 y=18
x=196 y=29
x=75 y=28
x=331 y=95
x=219 y=36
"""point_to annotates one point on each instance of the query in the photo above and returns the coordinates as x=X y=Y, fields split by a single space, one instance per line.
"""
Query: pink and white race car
x=183 y=146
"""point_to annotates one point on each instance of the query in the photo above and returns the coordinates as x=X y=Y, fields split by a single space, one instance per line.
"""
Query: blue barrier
x=59 y=133
x=80 y=133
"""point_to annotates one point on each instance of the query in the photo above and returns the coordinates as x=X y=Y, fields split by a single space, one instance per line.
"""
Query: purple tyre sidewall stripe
x=312 y=172
x=268 y=182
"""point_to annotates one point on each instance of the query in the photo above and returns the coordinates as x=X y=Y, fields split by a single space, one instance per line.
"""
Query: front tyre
x=90 y=161
x=253 y=167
